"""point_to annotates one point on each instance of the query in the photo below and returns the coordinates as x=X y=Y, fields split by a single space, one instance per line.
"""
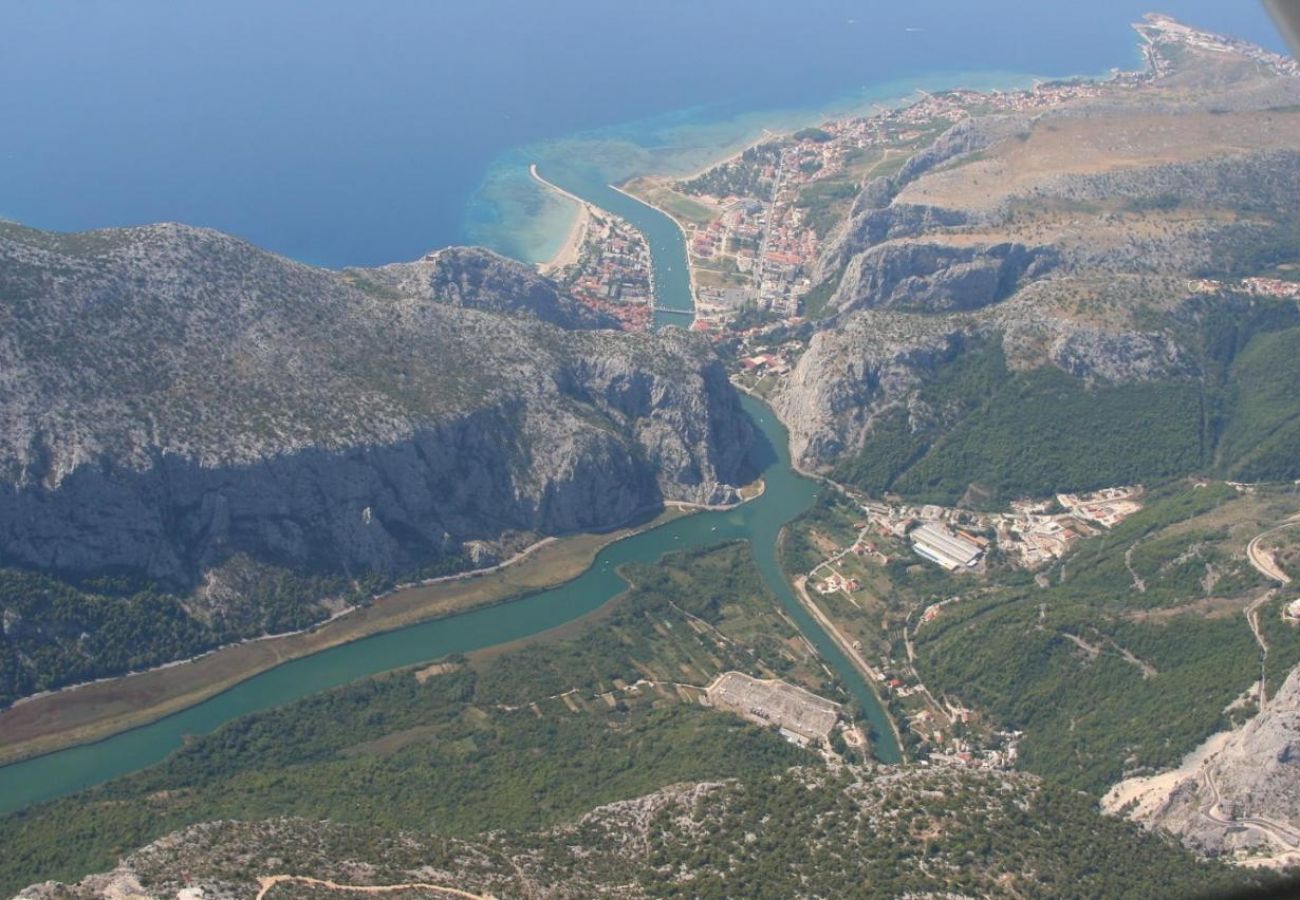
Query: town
x=850 y=593
x=613 y=272
x=1031 y=533
x=755 y=222
x=1256 y=287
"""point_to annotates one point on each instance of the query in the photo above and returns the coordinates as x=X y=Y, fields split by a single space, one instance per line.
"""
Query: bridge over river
x=787 y=495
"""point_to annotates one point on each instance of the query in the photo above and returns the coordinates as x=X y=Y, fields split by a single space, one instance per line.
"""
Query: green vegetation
x=930 y=834
x=1042 y=431
x=957 y=389
x=1104 y=677
x=831 y=516
x=1261 y=432
x=750 y=315
x=59 y=633
x=826 y=202
x=1028 y=433
x=445 y=754
x=1045 y=431
x=817 y=135
x=1158 y=203
x=1119 y=660
x=813 y=303
x=742 y=177
x=1239 y=254
x=852 y=832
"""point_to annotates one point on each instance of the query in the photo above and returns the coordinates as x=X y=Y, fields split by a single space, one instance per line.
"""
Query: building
x=939 y=545
x=803 y=717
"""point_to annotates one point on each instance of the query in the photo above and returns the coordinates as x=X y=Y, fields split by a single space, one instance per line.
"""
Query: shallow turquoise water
x=787 y=495
x=343 y=133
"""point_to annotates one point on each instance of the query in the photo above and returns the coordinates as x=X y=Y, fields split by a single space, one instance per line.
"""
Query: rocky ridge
x=808 y=831
x=1067 y=237
x=474 y=278
x=1240 y=794
x=172 y=396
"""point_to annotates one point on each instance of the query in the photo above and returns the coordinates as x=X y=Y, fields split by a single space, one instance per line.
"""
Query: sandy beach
x=571 y=249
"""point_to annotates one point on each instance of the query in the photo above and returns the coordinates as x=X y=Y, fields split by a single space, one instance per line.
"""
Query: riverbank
x=91 y=711
x=767 y=134
x=507 y=606
x=690 y=270
x=869 y=674
x=96 y=710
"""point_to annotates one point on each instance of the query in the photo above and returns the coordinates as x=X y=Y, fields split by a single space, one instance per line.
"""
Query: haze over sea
x=356 y=134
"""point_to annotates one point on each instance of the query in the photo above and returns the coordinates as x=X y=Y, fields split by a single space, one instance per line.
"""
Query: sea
x=341 y=133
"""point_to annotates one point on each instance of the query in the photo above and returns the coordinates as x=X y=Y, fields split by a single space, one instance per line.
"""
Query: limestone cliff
x=1067 y=237
x=474 y=278
x=171 y=397
x=1240 y=793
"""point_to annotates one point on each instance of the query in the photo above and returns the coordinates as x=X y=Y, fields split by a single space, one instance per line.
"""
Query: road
x=1262 y=560
x=1138 y=582
x=870 y=675
x=1279 y=832
x=761 y=267
x=1267 y=566
x=269 y=881
x=1147 y=670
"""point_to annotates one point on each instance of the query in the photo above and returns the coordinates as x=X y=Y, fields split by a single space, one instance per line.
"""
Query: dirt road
x=268 y=882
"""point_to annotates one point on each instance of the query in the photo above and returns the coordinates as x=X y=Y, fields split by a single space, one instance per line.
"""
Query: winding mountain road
x=1267 y=566
x=1262 y=560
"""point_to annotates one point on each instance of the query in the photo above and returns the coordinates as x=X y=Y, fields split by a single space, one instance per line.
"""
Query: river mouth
x=674 y=297
x=786 y=495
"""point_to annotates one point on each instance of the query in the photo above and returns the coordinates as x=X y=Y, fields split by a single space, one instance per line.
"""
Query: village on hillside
x=1029 y=534
x=849 y=592
x=755 y=223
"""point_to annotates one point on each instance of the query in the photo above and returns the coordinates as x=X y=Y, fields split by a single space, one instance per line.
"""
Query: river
x=674 y=302
x=759 y=521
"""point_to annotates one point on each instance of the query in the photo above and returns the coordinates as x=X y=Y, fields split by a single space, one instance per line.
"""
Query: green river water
x=759 y=521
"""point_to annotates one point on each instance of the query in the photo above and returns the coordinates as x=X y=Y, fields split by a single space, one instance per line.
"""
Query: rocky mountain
x=809 y=832
x=172 y=398
x=1067 y=238
x=474 y=278
x=1241 y=792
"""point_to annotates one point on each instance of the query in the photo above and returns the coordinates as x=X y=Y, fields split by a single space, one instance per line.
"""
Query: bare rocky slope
x=172 y=397
x=1241 y=793
x=474 y=278
x=1067 y=237
x=852 y=831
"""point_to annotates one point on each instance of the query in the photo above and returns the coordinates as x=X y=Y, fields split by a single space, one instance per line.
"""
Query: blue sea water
x=343 y=133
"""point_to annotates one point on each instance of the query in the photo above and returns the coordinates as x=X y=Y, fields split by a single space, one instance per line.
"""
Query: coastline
x=13 y=752
x=765 y=135
x=648 y=181
x=569 y=251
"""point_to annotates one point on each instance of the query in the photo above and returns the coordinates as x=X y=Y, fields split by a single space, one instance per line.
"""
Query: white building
x=937 y=544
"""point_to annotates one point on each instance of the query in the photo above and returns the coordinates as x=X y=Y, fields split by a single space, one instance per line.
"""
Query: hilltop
x=805 y=832
x=1074 y=275
x=202 y=441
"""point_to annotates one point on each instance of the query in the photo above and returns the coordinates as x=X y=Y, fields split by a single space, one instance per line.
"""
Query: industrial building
x=941 y=546
x=803 y=717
